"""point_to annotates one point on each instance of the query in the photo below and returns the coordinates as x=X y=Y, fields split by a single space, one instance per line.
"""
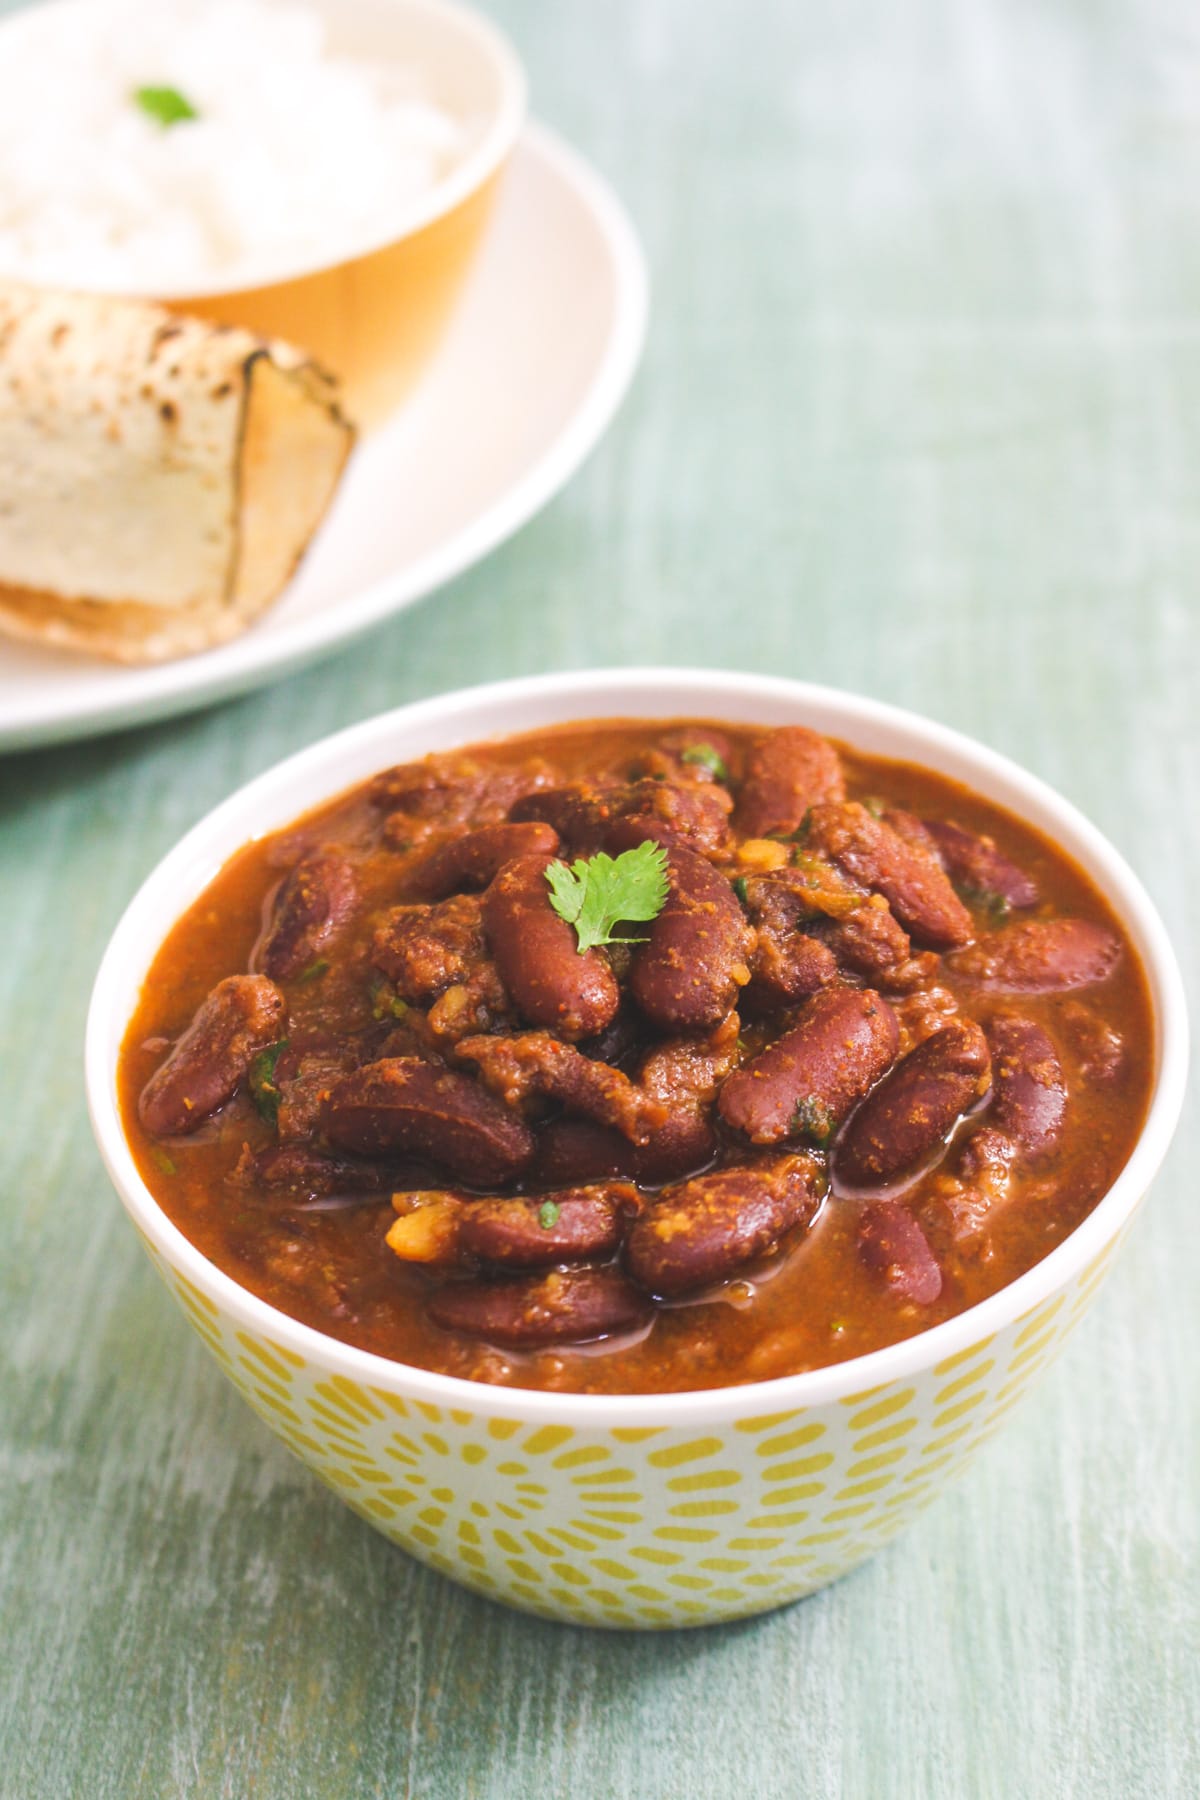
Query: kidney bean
x=924 y=1012
x=821 y=887
x=296 y=1169
x=453 y=789
x=620 y=1037
x=682 y=1073
x=785 y=963
x=978 y=869
x=401 y=1103
x=984 y=1172
x=873 y=945
x=693 y=1067
x=914 y=884
x=571 y=1152
x=787 y=771
x=479 y=1003
x=302 y=1082
x=690 y=753
x=668 y=811
x=1040 y=956
x=441 y=787
x=476 y=858
x=1029 y=1101
x=807 y=1080
x=686 y=976
x=570 y=1225
x=905 y=824
x=567 y=1306
x=577 y=1150
x=243 y=1015
x=580 y=814
x=402 y=833
x=892 y=1243
x=424 y=950
x=1098 y=1051
x=686 y=1144
x=702 y=1231
x=538 y=956
x=901 y=1123
x=535 y=1063
x=315 y=899
x=806 y=972
x=630 y=830
x=685 y=1073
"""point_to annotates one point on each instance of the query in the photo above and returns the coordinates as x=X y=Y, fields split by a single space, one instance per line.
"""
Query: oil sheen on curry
x=633 y=1057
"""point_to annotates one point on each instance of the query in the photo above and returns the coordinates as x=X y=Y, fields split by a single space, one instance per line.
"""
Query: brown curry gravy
x=812 y=1304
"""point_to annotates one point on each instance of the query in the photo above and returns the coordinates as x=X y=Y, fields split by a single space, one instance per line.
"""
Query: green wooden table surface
x=919 y=416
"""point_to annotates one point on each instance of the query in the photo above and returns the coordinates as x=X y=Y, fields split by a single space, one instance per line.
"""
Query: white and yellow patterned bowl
x=653 y=1510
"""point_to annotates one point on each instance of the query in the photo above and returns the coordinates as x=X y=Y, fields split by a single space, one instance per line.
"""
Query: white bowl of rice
x=318 y=170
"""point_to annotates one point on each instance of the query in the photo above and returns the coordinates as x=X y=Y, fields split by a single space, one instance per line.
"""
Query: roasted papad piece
x=160 y=476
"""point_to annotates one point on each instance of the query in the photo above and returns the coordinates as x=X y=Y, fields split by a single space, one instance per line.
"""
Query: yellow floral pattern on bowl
x=642 y=1527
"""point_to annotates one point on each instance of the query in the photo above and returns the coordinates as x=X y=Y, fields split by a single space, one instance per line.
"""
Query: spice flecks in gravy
x=882 y=1048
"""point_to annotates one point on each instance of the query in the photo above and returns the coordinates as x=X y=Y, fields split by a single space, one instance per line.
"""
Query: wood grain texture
x=920 y=416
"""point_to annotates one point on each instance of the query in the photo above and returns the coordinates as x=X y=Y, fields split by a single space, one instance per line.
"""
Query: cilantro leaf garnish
x=385 y=1001
x=707 y=758
x=263 y=1089
x=798 y=837
x=597 y=892
x=314 y=970
x=812 y=1119
x=165 y=105
x=548 y=1213
x=986 y=900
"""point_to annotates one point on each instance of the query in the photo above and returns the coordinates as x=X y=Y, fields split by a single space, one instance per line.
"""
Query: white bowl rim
x=585 y=694
x=456 y=185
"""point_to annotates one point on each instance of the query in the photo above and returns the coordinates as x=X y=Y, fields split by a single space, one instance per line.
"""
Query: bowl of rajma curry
x=637 y=1134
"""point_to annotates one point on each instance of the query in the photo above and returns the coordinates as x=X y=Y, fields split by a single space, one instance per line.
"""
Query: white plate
x=531 y=371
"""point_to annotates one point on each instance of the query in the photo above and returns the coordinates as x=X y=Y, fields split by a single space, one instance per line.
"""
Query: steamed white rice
x=295 y=151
